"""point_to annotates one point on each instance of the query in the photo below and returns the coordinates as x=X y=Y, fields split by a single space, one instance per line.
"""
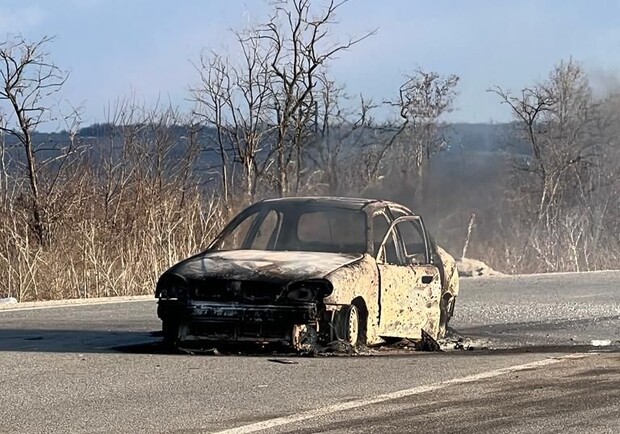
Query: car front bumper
x=226 y=322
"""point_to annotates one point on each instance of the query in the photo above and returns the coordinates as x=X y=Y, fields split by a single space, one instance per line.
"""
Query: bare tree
x=343 y=138
x=233 y=100
x=299 y=40
x=4 y=172
x=423 y=99
x=265 y=109
x=28 y=79
x=556 y=187
x=558 y=119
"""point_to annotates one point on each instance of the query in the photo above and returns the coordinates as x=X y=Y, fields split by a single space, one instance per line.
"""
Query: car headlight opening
x=308 y=291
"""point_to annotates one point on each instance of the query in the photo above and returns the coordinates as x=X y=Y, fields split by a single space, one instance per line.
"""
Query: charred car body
x=301 y=271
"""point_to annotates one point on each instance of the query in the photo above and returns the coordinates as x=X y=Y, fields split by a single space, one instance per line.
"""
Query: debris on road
x=455 y=341
x=427 y=343
x=198 y=350
x=283 y=361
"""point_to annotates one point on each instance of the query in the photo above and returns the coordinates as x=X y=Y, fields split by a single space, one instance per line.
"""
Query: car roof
x=343 y=202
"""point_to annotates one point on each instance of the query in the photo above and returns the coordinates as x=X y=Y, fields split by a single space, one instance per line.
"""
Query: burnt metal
x=294 y=297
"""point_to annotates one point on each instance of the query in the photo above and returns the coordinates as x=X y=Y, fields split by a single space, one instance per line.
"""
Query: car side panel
x=407 y=305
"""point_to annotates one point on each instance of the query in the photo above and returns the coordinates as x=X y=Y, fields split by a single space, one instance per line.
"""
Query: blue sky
x=117 y=48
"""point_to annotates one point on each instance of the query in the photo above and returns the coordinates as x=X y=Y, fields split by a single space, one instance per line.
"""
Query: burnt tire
x=350 y=326
x=446 y=307
x=170 y=331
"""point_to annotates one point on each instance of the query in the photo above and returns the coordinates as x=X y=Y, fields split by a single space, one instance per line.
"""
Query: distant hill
x=464 y=136
x=479 y=143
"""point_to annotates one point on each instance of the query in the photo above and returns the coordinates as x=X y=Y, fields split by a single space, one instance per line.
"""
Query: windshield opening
x=309 y=229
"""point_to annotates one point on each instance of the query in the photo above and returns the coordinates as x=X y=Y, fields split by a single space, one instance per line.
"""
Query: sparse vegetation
x=104 y=209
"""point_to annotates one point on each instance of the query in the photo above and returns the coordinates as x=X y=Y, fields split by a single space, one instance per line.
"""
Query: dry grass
x=94 y=255
x=115 y=218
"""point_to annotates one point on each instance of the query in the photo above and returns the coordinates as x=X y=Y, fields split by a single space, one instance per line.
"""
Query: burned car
x=306 y=271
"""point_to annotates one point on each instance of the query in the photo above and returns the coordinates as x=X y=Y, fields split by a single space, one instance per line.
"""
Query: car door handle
x=427 y=279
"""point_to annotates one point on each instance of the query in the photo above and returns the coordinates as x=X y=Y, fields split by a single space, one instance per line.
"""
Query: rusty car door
x=410 y=286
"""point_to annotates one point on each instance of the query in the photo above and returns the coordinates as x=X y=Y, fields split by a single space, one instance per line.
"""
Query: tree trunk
x=38 y=221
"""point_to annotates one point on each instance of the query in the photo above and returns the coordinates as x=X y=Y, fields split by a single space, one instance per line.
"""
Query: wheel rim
x=353 y=326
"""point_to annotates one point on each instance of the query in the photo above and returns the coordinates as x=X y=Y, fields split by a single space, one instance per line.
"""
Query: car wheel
x=170 y=330
x=349 y=325
x=446 y=308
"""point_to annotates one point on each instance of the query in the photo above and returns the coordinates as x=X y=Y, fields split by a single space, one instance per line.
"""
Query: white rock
x=8 y=300
x=469 y=267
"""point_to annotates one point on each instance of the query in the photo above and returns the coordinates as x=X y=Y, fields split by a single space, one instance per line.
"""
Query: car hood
x=262 y=265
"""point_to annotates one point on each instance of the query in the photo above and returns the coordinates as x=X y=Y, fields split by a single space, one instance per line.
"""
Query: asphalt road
x=527 y=354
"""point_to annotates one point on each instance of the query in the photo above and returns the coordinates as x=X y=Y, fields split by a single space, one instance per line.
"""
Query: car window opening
x=325 y=229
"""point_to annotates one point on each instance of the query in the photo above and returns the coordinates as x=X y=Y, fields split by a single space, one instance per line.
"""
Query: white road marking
x=349 y=405
x=55 y=304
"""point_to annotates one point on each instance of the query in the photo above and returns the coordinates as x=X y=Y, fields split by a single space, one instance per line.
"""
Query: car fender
x=360 y=279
